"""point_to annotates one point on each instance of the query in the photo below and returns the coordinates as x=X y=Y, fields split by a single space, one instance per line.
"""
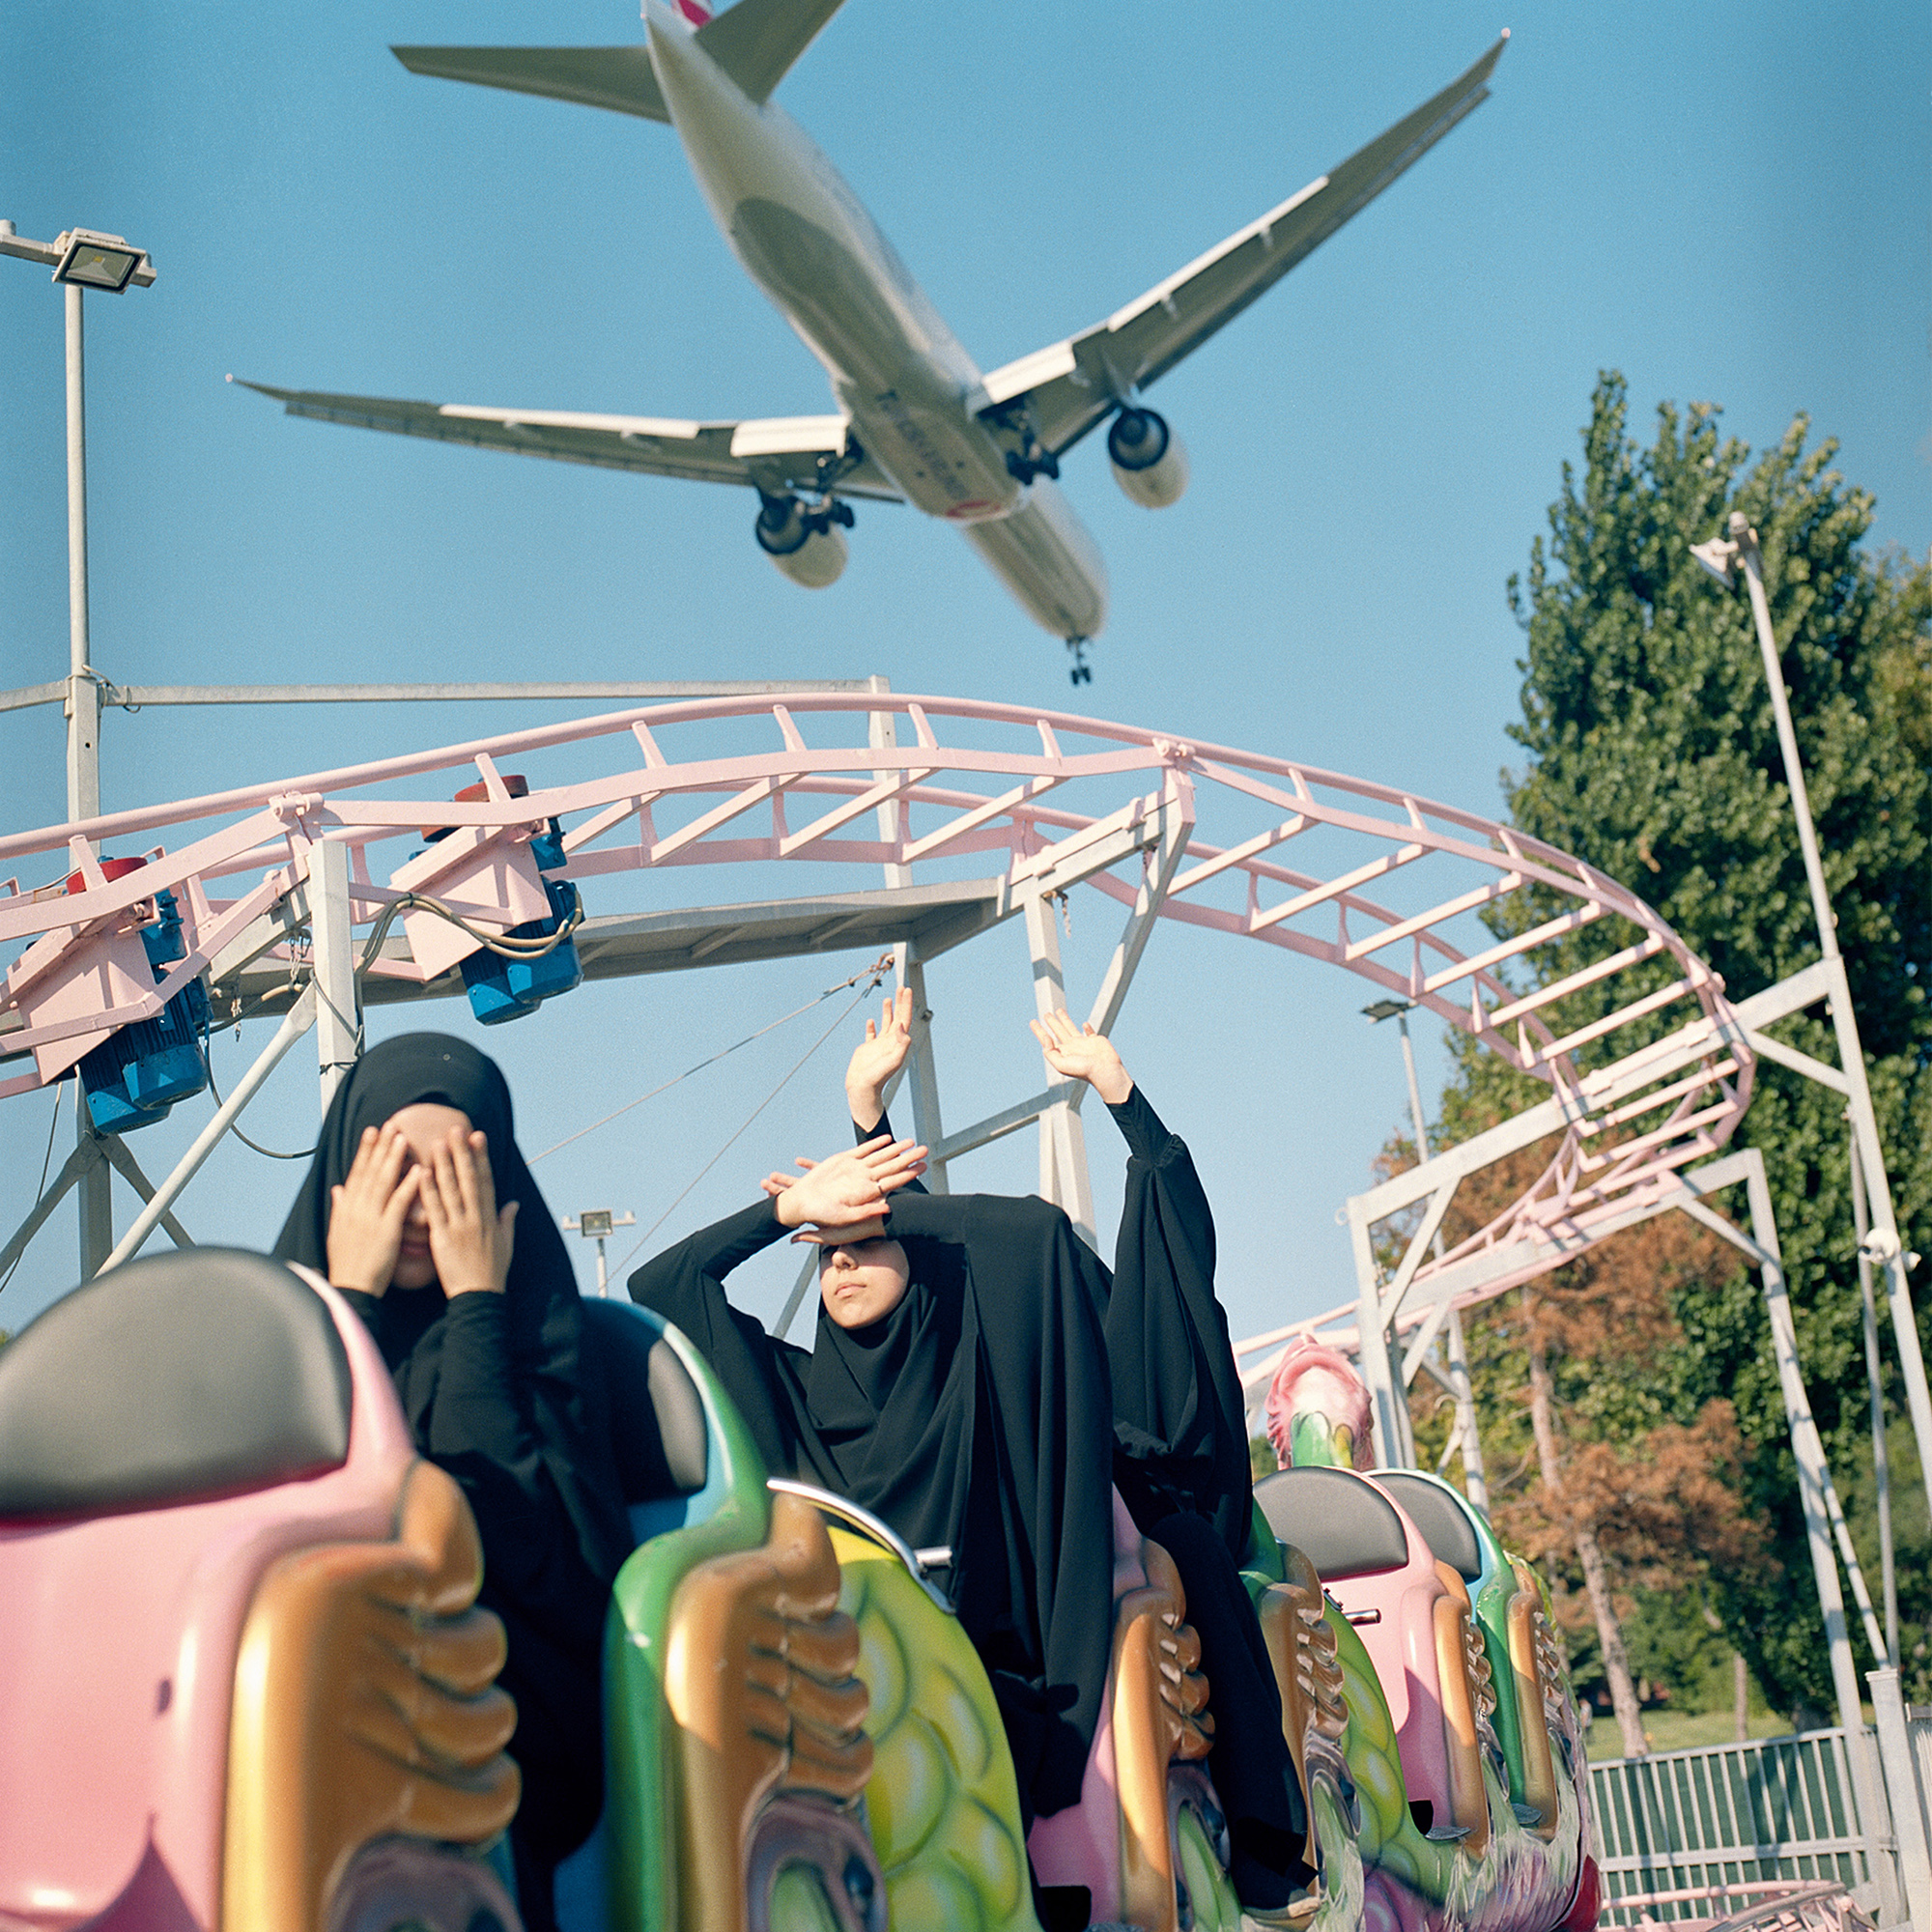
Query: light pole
x=596 y=1223
x=82 y=259
x=1466 y=1438
x=1879 y=1244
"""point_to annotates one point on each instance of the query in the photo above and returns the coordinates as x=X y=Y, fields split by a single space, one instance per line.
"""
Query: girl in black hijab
x=474 y=1307
x=957 y=1387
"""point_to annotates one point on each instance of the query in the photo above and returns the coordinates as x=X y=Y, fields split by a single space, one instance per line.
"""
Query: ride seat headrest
x=1340 y=1521
x=656 y=1414
x=1448 y=1532
x=202 y=1373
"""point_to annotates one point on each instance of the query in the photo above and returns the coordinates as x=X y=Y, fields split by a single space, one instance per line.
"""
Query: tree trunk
x=1589 y=1555
x=1741 y=1695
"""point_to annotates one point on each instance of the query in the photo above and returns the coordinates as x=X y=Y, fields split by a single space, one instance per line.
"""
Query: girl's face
x=425 y=1126
x=861 y=1282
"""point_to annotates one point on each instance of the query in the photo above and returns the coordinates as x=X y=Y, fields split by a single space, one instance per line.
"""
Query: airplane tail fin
x=757 y=42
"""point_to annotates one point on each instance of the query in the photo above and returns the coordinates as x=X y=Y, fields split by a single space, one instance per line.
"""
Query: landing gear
x=1080 y=672
x=1032 y=457
x=1035 y=460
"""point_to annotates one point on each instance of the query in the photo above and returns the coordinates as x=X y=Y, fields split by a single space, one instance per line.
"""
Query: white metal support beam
x=1807 y=1446
x=1907 y=1793
x=1063 y=1177
x=115 y=1151
x=338 y=1027
x=96 y=1184
x=1813 y=1482
x=1475 y=1479
x=1175 y=822
x=923 y=1076
x=1381 y=1373
x=294 y=1023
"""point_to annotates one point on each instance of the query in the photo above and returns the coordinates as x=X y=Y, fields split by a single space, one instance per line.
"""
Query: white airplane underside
x=916 y=421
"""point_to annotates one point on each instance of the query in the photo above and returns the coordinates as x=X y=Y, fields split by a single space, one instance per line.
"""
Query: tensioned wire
x=878 y=971
x=47 y=1161
x=875 y=972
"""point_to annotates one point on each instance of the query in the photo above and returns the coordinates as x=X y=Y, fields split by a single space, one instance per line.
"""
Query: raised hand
x=1079 y=1053
x=878 y=1057
x=366 y=1211
x=469 y=1237
x=847 y=1237
x=849 y=1187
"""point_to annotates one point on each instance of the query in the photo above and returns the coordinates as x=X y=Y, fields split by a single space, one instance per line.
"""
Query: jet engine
x=1150 y=460
x=804 y=540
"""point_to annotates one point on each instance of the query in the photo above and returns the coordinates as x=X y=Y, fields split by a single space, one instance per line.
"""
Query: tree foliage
x=1652 y=755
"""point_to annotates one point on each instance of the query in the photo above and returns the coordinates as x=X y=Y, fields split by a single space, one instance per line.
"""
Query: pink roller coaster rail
x=1062 y=800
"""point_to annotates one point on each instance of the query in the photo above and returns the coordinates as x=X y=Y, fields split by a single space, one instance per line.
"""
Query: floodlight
x=1717 y=556
x=1387 y=1009
x=595 y=1222
x=93 y=261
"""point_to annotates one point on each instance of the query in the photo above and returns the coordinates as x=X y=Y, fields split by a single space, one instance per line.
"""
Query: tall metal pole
x=83 y=695
x=83 y=748
x=603 y=1275
x=1883 y=1243
x=1474 y=1481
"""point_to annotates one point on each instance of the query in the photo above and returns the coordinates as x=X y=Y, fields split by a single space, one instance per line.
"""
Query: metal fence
x=1699 y=1822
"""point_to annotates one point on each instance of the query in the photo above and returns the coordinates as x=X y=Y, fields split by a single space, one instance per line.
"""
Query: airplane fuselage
x=899 y=375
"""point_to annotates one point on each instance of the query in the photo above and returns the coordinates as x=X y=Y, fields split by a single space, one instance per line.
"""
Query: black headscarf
x=568 y=1408
x=975 y=1416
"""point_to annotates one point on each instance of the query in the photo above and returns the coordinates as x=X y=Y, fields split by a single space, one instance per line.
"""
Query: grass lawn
x=1682 y=1730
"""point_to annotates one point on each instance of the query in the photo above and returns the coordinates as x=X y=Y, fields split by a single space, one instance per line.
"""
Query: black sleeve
x=482 y=1433
x=860 y=1135
x=1180 y=1420
x=373 y=1309
x=686 y=1286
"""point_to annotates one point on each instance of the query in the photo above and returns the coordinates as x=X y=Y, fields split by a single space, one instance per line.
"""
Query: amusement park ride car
x=246 y=1682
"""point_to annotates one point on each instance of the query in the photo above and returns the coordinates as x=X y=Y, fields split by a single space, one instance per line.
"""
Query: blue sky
x=1726 y=202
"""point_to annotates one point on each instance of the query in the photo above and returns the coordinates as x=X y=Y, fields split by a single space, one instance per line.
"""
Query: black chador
x=1180 y=1463
x=495 y=1392
x=975 y=1416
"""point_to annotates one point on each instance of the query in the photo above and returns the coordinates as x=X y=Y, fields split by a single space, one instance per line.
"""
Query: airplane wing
x=757 y=42
x=775 y=454
x=1074 y=384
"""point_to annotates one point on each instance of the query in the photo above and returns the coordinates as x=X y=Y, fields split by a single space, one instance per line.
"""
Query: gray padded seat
x=655 y=1412
x=1342 y=1523
x=1447 y=1531
x=203 y=1373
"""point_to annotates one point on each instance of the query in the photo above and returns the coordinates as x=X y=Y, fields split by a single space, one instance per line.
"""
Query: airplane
x=917 y=420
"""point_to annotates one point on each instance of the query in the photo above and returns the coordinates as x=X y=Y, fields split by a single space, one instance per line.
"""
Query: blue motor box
x=140 y=1071
x=504 y=989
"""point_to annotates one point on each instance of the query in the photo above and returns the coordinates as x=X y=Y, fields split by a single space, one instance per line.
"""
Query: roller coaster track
x=1649 y=1067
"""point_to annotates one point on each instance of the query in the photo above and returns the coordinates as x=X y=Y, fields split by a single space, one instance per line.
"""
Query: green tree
x=1652 y=753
